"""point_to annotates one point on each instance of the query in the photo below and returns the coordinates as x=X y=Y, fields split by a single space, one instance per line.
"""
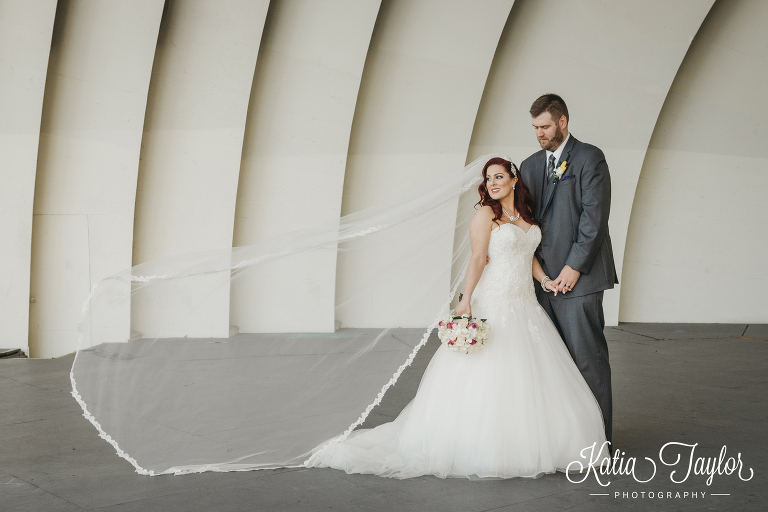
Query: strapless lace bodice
x=508 y=276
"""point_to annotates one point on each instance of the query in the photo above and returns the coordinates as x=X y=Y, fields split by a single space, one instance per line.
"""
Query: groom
x=571 y=187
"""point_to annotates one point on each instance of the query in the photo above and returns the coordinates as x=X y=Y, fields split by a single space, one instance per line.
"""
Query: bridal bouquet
x=462 y=333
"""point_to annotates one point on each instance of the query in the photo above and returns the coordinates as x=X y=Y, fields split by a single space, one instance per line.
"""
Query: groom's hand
x=567 y=279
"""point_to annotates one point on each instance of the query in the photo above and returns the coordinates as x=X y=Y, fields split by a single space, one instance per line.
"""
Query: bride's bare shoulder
x=483 y=218
x=484 y=211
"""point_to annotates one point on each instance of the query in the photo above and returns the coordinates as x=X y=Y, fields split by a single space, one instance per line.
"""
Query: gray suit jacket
x=574 y=216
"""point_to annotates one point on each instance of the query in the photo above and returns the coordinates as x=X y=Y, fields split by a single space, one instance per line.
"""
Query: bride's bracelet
x=544 y=281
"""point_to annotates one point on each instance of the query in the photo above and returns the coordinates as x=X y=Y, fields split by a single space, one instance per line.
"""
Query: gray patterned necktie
x=550 y=169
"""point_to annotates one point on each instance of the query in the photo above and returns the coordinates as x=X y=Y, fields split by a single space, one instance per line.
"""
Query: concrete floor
x=704 y=384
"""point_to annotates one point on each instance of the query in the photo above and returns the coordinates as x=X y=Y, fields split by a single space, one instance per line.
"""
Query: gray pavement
x=703 y=384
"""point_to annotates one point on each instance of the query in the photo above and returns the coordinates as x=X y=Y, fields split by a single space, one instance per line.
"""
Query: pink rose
x=473 y=325
x=473 y=342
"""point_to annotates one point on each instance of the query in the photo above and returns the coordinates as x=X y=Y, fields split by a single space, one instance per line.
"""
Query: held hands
x=550 y=286
x=566 y=280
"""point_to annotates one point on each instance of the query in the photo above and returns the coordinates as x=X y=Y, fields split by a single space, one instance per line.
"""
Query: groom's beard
x=555 y=141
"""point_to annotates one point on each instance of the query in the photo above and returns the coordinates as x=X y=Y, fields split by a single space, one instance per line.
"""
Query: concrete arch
x=423 y=80
x=95 y=94
x=696 y=246
x=25 y=42
x=295 y=152
x=612 y=63
x=193 y=140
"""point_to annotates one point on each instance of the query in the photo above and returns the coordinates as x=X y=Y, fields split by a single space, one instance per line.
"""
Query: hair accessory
x=511 y=165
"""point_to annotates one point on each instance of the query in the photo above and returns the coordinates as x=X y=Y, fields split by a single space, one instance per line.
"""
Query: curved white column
x=25 y=42
x=423 y=80
x=612 y=65
x=696 y=248
x=295 y=153
x=193 y=140
x=95 y=95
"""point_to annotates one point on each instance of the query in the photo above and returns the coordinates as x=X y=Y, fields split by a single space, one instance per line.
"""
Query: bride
x=517 y=408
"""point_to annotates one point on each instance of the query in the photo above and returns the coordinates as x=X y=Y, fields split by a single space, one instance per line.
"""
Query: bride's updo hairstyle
x=523 y=199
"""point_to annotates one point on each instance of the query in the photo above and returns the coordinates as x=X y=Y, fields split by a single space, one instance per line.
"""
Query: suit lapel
x=539 y=186
x=549 y=191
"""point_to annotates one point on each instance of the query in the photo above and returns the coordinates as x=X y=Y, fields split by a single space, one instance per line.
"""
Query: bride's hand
x=463 y=309
x=550 y=285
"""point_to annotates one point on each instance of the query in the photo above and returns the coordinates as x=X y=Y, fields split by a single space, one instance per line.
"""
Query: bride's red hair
x=523 y=199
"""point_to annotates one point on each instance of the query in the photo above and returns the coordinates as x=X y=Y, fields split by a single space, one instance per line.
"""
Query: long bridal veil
x=249 y=357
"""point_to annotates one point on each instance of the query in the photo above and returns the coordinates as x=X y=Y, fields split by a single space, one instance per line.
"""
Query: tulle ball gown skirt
x=518 y=407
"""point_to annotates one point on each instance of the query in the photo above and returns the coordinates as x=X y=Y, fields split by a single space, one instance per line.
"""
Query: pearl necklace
x=511 y=218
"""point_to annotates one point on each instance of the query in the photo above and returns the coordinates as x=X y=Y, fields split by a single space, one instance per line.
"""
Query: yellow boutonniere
x=558 y=173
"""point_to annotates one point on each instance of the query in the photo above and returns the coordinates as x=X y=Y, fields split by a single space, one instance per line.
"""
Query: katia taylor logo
x=680 y=456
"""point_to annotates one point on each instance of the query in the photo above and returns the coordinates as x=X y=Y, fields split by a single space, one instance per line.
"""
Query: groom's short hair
x=551 y=103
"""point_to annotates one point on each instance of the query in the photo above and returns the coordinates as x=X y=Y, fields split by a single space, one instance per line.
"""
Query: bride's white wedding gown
x=516 y=408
